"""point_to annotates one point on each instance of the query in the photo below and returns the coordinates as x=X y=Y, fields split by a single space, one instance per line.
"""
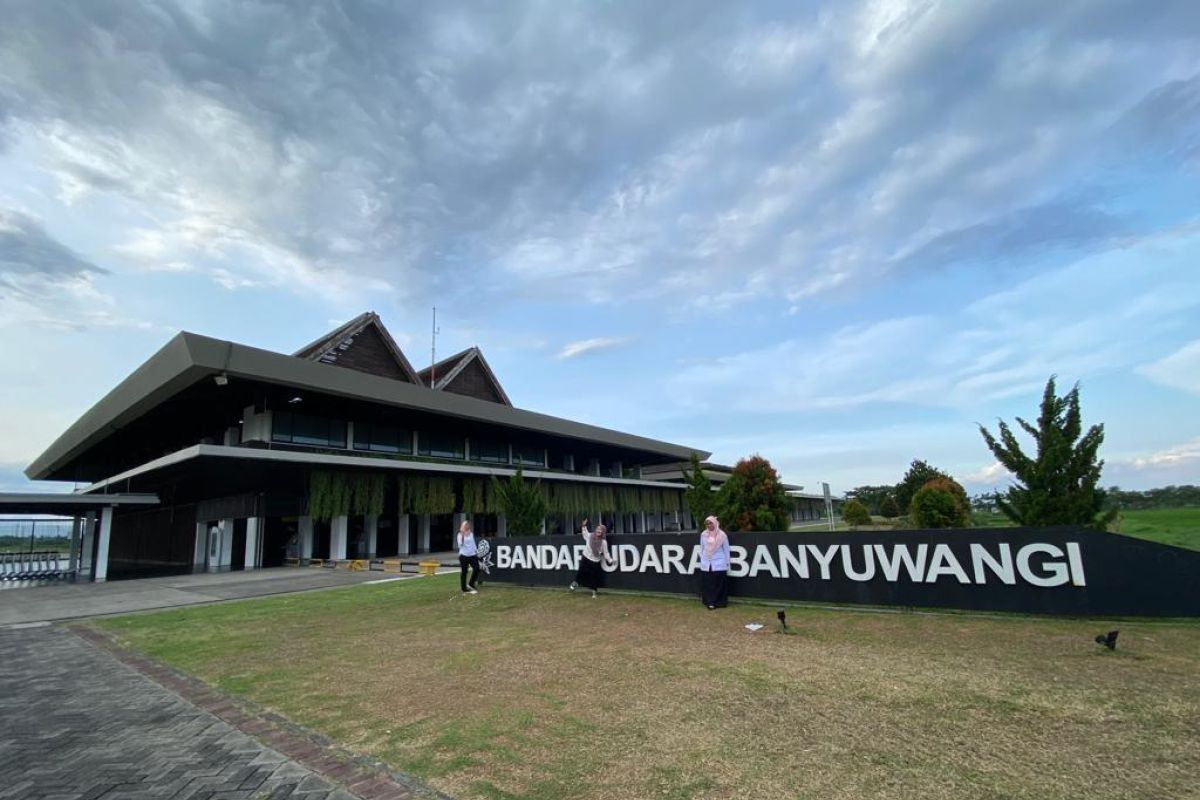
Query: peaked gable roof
x=362 y=344
x=466 y=373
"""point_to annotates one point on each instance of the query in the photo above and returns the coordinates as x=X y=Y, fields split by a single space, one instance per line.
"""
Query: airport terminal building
x=338 y=451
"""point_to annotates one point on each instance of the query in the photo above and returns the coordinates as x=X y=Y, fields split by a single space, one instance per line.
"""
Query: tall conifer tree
x=1058 y=486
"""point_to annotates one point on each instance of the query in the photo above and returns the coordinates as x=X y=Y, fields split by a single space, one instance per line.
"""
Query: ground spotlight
x=782 y=615
x=1109 y=639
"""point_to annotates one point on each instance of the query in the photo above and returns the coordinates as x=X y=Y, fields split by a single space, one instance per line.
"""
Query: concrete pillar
x=254 y=527
x=619 y=527
x=304 y=531
x=338 y=529
x=543 y=531
x=642 y=519
x=226 y=544
x=102 y=538
x=76 y=532
x=501 y=525
x=423 y=534
x=402 y=532
x=458 y=520
x=87 y=541
x=618 y=469
x=371 y=523
x=200 y=546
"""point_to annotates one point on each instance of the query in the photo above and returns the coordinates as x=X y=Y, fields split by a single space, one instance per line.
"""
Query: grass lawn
x=519 y=693
x=1177 y=526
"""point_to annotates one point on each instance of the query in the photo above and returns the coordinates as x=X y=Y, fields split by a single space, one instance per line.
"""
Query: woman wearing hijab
x=596 y=549
x=467 y=557
x=714 y=564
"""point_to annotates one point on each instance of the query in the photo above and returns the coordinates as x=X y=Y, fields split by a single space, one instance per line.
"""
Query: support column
x=106 y=517
x=642 y=516
x=371 y=524
x=304 y=534
x=226 y=561
x=87 y=543
x=338 y=528
x=458 y=520
x=254 y=527
x=543 y=531
x=501 y=525
x=200 y=547
x=619 y=523
x=76 y=532
x=402 y=532
x=423 y=534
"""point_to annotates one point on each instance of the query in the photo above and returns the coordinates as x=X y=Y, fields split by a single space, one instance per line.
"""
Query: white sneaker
x=472 y=590
x=593 y=595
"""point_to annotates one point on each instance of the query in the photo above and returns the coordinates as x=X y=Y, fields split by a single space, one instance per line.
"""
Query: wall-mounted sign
x=1041 y=570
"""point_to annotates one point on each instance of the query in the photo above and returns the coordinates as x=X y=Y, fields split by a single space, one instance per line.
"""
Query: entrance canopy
x=70 y=505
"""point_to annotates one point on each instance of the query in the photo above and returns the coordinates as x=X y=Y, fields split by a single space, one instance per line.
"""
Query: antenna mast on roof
x=433 y=351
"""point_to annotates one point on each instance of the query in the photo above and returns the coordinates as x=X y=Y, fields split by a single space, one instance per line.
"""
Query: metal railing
x=35 y=549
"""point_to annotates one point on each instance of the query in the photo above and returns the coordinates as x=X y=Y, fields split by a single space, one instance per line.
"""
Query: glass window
x=303 y=429
x=529 y=456
x=381 y=438
x=491 y=452
x=441 y=445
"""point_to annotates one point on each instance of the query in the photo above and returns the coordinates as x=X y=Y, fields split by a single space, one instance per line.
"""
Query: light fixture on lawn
x=782 y=615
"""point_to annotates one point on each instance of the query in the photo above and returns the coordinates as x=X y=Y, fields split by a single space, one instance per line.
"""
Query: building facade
x=338 y=451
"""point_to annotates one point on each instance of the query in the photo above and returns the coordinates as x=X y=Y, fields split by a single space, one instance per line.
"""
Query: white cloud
x=1180 y=370
x=989 y=475
x=1179 y=455
x=585 y=346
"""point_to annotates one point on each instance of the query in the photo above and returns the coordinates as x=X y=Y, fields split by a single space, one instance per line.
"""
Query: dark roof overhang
x=189 y=358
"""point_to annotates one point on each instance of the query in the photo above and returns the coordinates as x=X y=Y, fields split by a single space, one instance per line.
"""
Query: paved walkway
x=81 y=719
x=64 y=601
x=77 y=723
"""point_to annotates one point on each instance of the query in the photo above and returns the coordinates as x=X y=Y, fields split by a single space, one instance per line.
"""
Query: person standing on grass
x=595 y=550
x=714 y=564
x=468 y=556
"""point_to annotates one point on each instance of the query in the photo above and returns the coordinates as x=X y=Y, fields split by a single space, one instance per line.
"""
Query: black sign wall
x=1032 y=570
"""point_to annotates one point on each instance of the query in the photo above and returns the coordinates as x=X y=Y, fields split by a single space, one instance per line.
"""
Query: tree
x=1057 y=486
x=699 y=496
x=940 y=503
x=871 y=496
x=523 y=504
x=753 y=499
x=855 y=513
x=889 y=508
x=919 y=473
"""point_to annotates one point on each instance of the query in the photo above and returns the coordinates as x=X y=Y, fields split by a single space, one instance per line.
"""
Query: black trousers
x=713 y=589
x=590 y=573
x=473 y=563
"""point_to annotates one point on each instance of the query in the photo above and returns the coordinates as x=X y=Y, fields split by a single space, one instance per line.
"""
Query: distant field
x=1175 y=526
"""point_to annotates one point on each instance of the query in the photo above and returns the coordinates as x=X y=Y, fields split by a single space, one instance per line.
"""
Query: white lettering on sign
x=1036 y=564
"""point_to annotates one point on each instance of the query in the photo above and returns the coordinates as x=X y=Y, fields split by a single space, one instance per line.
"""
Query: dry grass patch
x=535 y=694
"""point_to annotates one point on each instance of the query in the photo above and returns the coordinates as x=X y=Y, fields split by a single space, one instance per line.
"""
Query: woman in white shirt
x=714 y=564
x=467 y=557
x=590 y=573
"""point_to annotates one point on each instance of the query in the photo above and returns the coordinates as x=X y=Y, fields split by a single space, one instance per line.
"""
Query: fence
x=34 y=548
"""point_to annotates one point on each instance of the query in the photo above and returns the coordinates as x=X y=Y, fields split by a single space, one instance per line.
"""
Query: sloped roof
x=362 y=344
x=448 y=374
x=189 y=358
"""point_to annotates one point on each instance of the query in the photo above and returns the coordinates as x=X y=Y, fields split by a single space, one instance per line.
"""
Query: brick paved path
x=77 y=723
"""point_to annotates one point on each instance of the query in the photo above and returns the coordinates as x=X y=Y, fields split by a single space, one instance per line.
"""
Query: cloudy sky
x=838 y=236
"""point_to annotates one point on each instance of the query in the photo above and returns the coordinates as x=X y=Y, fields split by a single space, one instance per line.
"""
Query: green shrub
x=753 y=499
x=889 y=508
x=855 y=513
x=940 y=503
